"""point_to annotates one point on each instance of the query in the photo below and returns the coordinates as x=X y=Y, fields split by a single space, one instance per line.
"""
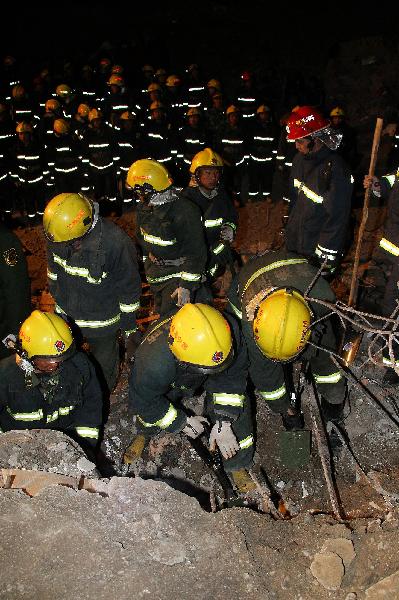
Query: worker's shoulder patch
x=10 y=257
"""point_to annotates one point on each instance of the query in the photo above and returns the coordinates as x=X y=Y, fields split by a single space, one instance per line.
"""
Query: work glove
x=194 y=426
x=132 y=341
x=372 y=182
x=182 y=294
x=224 y=437
x=226 y=233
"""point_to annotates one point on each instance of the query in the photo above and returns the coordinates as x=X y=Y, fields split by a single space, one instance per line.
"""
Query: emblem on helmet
x=217 y=357
x=59 y=346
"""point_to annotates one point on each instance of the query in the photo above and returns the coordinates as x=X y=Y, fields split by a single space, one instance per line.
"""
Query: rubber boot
x=390 y=377
x=293 y=421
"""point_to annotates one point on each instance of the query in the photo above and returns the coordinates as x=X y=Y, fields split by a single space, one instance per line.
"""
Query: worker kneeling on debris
x=195 y=349
x=280 y=326
x=47 y=384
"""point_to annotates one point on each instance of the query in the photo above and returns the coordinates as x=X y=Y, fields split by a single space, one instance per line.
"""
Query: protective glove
x=226 y=233
x=372 y=182
x=182 y=294
x=194 y=426
x=224 y=437
x=132 y=342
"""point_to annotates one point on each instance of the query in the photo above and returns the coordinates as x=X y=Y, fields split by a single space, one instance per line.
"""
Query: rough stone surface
x=43 y=450
x=342 y=547
x=328 y=569
x=130 y=542
x=387 y=588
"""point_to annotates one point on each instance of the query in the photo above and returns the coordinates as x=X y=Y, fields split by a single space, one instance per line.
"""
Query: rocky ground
x=146 y=529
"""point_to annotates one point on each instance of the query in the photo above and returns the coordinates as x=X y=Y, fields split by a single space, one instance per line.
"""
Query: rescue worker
x=268 y=296
x=14 y=286
x=175 y=101
x=170 y=232
x=45 y=127
x=117 y=100
x=247 y=96
x=348 y=146
x=219 y=216
x=7 y=134
x=196 y=348
x=194 y=87
x=48 y=384
x=262 y=144
x=68 y=98
x=232 y=146
x=93 y=277
x=64 y=157
x=22 y=107
x=284 y=157
x=29 y=172
x=384 y=265
x=100 y=160
x=215 y=116
x=190 y=139
x=320 y=190
x=128 y=140
x=158 y=136
x=80 y=121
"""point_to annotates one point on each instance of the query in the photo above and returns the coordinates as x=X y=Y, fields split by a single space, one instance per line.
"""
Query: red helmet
x=304 y=121
x=246 y=76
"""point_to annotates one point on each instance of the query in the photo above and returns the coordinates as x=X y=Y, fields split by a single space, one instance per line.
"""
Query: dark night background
x=219 y=35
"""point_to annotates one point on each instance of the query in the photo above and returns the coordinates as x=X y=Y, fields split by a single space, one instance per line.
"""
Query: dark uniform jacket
x=255 y=280
x=98 y=286
x=69 y=400
x=320 y=195
x=389 y=243
x=157 y=378
x=99 y=150
x=15 y=291
x=172 y=231
x=215 y=212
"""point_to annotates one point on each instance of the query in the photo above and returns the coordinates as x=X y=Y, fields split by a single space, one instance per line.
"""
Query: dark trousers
x=105 y=352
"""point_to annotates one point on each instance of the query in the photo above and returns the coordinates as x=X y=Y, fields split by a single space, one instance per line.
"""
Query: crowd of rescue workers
x=183 y=162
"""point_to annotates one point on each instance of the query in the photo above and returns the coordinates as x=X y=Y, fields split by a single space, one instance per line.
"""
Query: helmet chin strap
x=96 y=214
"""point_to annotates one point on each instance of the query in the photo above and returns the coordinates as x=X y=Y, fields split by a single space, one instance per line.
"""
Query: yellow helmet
x=24 y=127
x=149 y=175
x=281 y=327
x=232 y=109
x=61 y=126
x=18 y=92
x=337 y=112
x=83 y=110
x=128 y=115
x=44 y=334
x=94 y=113
x=262 y=109
x=154 y=87
x=193 y=111
x=160 y=72
x=200 y=335
x=63 y=90
x=206 y=158
x=67 y=217
x=116 y=79
x=214 y=83
x=51 y=105
x=173 y=81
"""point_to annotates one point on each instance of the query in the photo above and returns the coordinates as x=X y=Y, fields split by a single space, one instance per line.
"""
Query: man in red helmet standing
x=320 y=190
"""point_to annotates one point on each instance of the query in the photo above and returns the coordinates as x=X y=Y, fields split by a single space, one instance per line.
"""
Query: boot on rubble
x=293 y=419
